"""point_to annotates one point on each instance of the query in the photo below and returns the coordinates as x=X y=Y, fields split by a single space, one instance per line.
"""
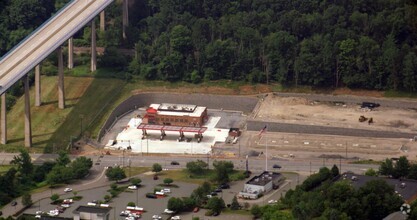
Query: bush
x=209 y=213
x=131 y=204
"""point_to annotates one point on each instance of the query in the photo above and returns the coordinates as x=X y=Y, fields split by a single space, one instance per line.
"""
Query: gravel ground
x=314 y=129
x=395 y=103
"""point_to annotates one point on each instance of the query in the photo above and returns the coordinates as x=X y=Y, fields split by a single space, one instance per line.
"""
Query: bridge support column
x=38 y=85
x=61 y=94
x=102 y=21
x=28 y=126
x=93 y=47
x=3 y=119
x=70 y=53
x=125 y=17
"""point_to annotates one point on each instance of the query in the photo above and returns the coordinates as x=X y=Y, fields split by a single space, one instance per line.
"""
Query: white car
x=168 y=211
x=67 y=190
x=38 y=216
x=132 y=187
x=176 y=218
x=272 y=201
x=156 y=217
x=65 y=205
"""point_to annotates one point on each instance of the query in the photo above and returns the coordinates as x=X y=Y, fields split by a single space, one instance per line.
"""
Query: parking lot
x=151 y=206
x=155 y=206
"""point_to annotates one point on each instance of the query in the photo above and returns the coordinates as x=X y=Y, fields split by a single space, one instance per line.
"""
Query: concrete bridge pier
x=70 y=53
x=93 y=47
x=38 y=85
x=102 y=21
x=61 y=94
x=125 y=16
x=3 y=119
x=28 y=126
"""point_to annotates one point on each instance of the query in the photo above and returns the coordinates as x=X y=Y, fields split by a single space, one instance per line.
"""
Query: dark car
x=155 y=177
x=213 y=193
x=276 y=166
x=151 y=196
x=216 y=213
x=225 y=186
x=218 y=190
x=175 y=163
x=14 y=203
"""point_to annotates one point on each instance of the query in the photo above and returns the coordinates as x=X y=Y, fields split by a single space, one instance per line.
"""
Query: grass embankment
x=52 y=127
x=4 y=169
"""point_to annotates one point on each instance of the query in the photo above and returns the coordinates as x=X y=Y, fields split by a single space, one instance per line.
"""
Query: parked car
x=155 y=177
x=276 y=166
x=67 y=190
x=176 y=218
x=213 y=194
x=175 y=163
x=156 y=217
x=272 y=201
x=168 y=211
x=196 y=209
x=225 y=186
x=216 y=213
x=14 y=203
x=218 y=190
x=132 y=187
x=151 y=196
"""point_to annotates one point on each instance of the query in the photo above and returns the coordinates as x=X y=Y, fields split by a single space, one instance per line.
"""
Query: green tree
x=107 y=198
x=402 y=167
x=235 y=204
x=196 y=167
x=175 y=204
x=168 y=181
x=334 y=171
x=54 y=197
x=27 y=199
x=81 y=167
x=222 y=170
x=131 y=204
x=410 y=72
x=378 y=199
x=386 y=167
x=24 y=165
x=59 y=174
x=156 y=167
x=135 y=181
x=413 y=172
x=371 y=172
x=115 y=173
x=215 y=204
x=256 y=211
x=63 y=158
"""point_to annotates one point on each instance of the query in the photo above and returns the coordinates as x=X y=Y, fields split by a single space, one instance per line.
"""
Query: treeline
x=321 y=43
x=25 y=176
x=340 y=200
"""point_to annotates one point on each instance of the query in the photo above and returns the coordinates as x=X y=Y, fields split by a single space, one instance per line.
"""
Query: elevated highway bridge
x=47 y=38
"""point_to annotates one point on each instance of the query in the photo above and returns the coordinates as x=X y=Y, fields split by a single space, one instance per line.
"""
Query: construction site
x=353 y=118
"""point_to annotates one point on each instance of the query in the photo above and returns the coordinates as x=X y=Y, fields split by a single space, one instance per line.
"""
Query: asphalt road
x=324 y=130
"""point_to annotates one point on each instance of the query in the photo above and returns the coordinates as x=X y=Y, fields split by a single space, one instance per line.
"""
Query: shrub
x=209 y=213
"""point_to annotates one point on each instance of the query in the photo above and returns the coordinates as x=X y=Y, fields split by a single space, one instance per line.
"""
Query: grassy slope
x=53 y=126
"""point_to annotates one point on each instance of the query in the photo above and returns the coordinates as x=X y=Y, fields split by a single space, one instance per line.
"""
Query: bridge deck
x=46 y=39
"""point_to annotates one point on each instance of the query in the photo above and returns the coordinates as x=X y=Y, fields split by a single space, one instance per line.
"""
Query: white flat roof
x=198 y=110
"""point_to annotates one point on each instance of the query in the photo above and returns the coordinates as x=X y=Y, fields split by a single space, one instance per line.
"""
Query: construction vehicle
x=363 y=118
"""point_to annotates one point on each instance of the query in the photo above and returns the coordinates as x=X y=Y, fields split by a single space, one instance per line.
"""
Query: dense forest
x=320 y=43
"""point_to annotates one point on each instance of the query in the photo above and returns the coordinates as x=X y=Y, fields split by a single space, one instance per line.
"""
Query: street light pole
x=81 y=128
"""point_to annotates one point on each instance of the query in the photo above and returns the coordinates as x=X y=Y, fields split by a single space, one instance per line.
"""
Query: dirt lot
x=303 y=111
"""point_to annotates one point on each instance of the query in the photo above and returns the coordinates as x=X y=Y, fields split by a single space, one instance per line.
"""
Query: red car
x=196 y=209
x=155 y=177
